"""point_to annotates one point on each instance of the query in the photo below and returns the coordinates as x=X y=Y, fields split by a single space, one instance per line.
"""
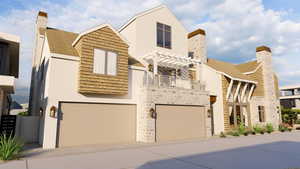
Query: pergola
x=169 y=60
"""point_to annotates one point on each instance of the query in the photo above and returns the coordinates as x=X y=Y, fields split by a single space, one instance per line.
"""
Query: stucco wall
x=62 y=85
x=145 y=33
x=213 y=83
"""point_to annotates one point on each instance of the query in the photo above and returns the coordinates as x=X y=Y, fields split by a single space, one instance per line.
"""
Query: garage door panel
x=179 y=122
x=84 y=124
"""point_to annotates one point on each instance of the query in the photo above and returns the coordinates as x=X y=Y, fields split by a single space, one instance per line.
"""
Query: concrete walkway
x=275 y=151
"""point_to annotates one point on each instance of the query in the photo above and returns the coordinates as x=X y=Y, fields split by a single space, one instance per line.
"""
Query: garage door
x=84 y=124
x=179 y=122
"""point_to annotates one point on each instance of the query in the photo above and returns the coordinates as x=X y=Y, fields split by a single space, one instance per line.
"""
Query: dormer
x=103 y=67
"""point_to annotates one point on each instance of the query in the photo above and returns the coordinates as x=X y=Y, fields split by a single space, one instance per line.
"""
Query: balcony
x=167 y=81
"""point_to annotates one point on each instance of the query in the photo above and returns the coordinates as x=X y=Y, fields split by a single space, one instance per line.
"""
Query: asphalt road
x=275 y=151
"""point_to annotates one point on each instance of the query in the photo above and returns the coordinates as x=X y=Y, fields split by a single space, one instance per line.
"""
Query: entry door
x=179 y=122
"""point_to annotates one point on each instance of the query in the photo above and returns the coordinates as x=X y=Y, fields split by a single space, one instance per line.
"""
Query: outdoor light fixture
x=41 y=111
x=153 y=113
x=208 y=113
x=52 y=111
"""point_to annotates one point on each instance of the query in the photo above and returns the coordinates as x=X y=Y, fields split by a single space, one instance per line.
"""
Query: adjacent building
x=9 y=69
x=149 y=81
x=290 y=97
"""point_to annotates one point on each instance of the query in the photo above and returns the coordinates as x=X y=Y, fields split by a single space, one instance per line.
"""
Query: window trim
x=163 y=36
x=106 y=62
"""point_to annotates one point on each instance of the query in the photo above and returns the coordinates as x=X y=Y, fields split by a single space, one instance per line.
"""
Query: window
x=105 y=62
x=163 y=35
x=261 y=113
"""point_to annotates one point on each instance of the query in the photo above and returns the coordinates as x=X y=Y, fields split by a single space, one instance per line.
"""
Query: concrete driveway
x=275 y=151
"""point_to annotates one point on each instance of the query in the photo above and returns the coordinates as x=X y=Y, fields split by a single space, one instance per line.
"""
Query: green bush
x=10 y=147
x=269 y=128
x=235 y=133
x=283 y=127
x=289 y=115
x=257 y=129
x=25 y=113
x=241 y=129
x=222 y=135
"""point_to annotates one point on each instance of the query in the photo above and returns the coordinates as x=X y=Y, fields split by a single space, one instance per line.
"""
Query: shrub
x=269 y=128
x=283 y=127
x=241 y=129
x=290 y=129
x=222 y=135
x=257 y=129
x=235 y=133
x=10 y=147
x=25 y=113
x=262 y=131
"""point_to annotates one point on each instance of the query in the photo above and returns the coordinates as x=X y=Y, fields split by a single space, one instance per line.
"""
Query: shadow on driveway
x=276 y=155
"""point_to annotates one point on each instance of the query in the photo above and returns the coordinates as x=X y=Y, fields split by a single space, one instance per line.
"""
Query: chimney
x=264 y=55
x=42 y=19
x=197 y=45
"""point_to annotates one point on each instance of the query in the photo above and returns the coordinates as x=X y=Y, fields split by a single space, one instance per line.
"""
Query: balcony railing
x=165 y=81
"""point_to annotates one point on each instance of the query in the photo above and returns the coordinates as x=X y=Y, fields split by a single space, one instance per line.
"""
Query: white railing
x=165 y=81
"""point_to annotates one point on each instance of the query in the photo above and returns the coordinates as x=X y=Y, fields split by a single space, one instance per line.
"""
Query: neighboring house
x=148 y=81
x=9 y=69
x=16 y=108
x=290 y=97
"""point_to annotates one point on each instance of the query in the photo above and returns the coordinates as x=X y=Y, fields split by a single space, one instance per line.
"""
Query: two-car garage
x=99 y=123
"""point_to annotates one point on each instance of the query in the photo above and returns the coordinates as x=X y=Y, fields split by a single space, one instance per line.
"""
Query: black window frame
x=261 y=114
x=164 y=29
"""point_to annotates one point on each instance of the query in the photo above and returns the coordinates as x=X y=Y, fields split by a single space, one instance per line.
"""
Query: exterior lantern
x=153 y=113
x=52 y=111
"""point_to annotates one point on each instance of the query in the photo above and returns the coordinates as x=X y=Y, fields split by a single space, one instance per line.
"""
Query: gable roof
x=141 y=14
x=97 y=28
x=229 y=70
x=61 y=41
x=248 y=66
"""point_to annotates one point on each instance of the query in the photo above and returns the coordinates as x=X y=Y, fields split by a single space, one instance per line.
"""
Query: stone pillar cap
x=263 y=48
x=196 y=32
x=42 y=13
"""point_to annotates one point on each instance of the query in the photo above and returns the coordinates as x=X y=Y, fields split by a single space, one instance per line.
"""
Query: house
x=9 y=69
x=246 y=93
x=149 y=81
x=290 y=97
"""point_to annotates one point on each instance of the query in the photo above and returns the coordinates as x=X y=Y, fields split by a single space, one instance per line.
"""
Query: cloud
x=234 y=28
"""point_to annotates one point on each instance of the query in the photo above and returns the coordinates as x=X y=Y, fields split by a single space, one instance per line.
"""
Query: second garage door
x=84 y=124
x=179 y=122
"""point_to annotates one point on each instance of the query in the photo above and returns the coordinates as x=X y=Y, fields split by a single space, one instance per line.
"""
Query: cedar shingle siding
x=91 y=83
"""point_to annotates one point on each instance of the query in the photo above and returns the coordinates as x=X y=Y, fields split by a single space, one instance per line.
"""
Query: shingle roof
x=60 y=42
x=228 y=68
x=247 y=67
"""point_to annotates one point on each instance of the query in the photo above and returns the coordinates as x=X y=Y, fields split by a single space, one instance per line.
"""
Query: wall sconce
x=52 y=111
x=41 y=112
x=208 y=113
x=153 y=114
x=150 y=68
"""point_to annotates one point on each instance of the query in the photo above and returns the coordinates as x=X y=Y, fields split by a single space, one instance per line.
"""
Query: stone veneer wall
x=151 y=96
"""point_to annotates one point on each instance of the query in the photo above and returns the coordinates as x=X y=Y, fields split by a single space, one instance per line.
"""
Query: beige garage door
x=179 y=122
x=86 y=124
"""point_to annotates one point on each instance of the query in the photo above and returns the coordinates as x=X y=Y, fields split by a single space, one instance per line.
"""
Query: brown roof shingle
x=247 y=67
x=61 y=41
x=227 y=68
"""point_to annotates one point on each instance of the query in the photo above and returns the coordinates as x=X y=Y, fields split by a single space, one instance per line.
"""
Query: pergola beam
x=251 y=92
x=229 y=89
x=237 y=91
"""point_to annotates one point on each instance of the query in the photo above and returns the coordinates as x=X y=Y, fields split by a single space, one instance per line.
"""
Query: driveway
x=275 y=151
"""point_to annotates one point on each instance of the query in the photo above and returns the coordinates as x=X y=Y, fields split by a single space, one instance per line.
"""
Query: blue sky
x=234 y=27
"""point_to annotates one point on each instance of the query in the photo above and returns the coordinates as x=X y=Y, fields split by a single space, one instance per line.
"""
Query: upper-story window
x=163 y=35
x=105 y=62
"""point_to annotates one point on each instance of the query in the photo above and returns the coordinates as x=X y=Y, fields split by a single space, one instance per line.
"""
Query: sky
x=234 y=27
